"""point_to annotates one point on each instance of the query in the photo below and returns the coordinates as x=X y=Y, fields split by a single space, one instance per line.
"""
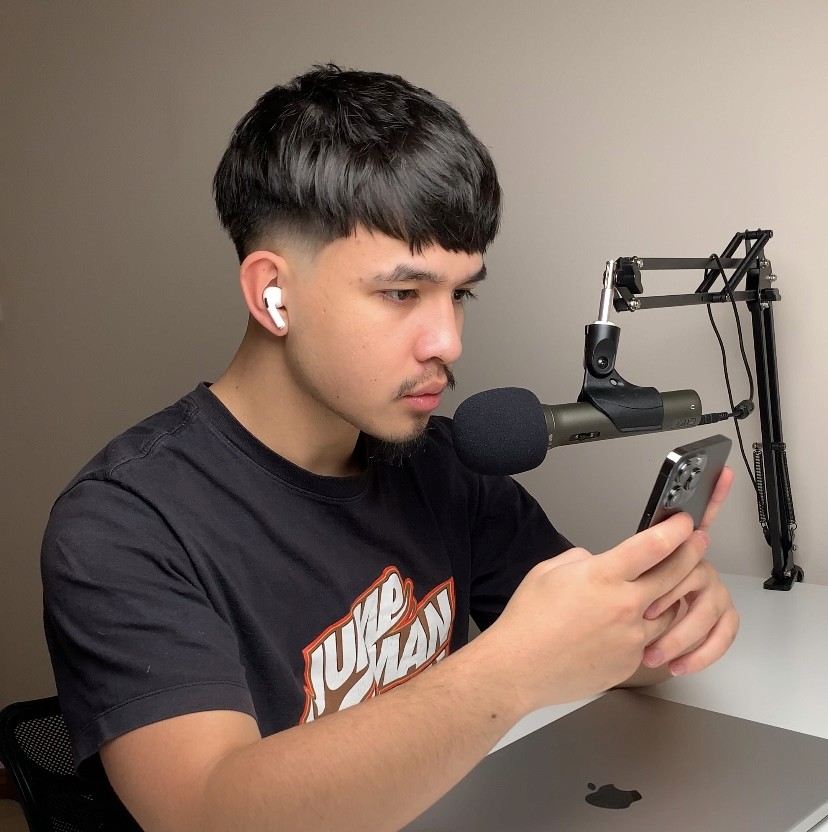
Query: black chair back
x=35 y=749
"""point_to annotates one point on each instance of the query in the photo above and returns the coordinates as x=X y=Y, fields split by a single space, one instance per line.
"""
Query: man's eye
x=463 y=295
x=400 y=295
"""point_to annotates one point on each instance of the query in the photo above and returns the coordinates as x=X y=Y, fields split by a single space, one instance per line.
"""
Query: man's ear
x=259 y=270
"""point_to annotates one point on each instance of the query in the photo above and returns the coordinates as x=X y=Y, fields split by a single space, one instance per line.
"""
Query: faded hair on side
x=335 y=149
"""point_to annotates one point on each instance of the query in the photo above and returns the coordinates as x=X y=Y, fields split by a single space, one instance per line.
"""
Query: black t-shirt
x=189 y=568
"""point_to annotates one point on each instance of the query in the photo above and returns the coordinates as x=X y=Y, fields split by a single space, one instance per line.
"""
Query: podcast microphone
x=508 y=430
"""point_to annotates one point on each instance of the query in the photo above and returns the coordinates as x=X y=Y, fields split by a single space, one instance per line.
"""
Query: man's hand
x=576 y=625
x=708 y=625
x=590 y=609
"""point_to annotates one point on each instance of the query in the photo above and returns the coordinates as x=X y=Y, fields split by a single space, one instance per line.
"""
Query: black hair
x=335 y=149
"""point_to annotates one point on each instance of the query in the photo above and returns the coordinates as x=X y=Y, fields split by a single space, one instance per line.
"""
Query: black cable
x=738 y=328
x=729 y=293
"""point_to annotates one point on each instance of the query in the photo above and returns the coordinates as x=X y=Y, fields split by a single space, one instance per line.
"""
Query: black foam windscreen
x=501 y=431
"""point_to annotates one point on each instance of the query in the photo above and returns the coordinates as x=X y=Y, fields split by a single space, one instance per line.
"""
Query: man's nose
x=441 y=334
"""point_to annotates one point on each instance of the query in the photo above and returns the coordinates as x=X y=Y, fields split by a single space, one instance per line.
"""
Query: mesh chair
x=34 y=747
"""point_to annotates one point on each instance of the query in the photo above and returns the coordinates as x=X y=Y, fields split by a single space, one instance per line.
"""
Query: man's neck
x=257 y=389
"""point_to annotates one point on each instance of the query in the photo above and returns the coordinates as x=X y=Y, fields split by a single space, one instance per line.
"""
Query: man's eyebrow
x=406 y=272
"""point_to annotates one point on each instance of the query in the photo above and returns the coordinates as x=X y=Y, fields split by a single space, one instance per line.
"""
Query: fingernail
x=678 y=669
x=653 y=658
x=650 y=612
x=704 y=537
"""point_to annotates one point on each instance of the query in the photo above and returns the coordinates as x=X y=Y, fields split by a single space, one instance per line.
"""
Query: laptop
x=628 y=762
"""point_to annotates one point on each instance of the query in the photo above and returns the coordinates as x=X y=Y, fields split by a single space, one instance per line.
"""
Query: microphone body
x=508 y=430
x=571 y=424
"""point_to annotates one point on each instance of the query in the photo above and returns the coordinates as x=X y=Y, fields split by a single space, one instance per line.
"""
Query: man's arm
x=575 y=626
x=374 y=766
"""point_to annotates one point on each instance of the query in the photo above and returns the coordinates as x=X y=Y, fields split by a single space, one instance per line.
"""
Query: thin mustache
x=407 y=386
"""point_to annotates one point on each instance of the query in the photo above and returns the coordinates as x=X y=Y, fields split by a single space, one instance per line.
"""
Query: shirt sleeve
x=511 y=534
x=131 y=631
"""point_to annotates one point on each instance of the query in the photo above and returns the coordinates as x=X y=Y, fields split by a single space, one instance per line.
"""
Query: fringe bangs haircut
x=335 y=149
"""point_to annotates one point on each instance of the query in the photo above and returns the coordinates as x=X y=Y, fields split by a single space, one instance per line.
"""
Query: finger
x=717 y=643
x=662 y=579
x=697 y=579
x=703 y=615
x=718 y=496
x=637 y=554
x=657 y=627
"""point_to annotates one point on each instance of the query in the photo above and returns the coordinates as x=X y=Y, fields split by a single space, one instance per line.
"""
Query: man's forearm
x=374 y=766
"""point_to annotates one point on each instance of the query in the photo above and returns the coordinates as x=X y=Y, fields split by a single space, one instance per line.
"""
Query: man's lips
x=428 y=390
x=427 y=397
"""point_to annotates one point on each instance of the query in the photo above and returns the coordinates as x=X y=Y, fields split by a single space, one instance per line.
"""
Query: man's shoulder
x=138 y=443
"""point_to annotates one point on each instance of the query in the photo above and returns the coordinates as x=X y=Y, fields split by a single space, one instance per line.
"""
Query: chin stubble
x=396 y=451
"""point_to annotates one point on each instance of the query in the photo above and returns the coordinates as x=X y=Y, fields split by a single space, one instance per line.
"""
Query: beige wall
x=650 y=128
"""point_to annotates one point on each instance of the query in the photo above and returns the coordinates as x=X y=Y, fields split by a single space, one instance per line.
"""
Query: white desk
x=776 y=672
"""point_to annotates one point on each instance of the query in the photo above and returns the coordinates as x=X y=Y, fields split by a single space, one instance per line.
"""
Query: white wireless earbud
x=272 y=297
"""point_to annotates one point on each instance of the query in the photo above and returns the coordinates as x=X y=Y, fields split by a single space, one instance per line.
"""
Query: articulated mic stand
x=775 y=503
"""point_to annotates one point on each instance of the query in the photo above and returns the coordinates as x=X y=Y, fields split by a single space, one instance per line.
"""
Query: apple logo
x=610 y=797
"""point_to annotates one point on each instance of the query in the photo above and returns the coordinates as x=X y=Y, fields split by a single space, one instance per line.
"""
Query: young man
x=230 y=584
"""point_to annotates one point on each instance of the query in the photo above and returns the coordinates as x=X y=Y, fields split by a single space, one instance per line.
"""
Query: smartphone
x=686 y=480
